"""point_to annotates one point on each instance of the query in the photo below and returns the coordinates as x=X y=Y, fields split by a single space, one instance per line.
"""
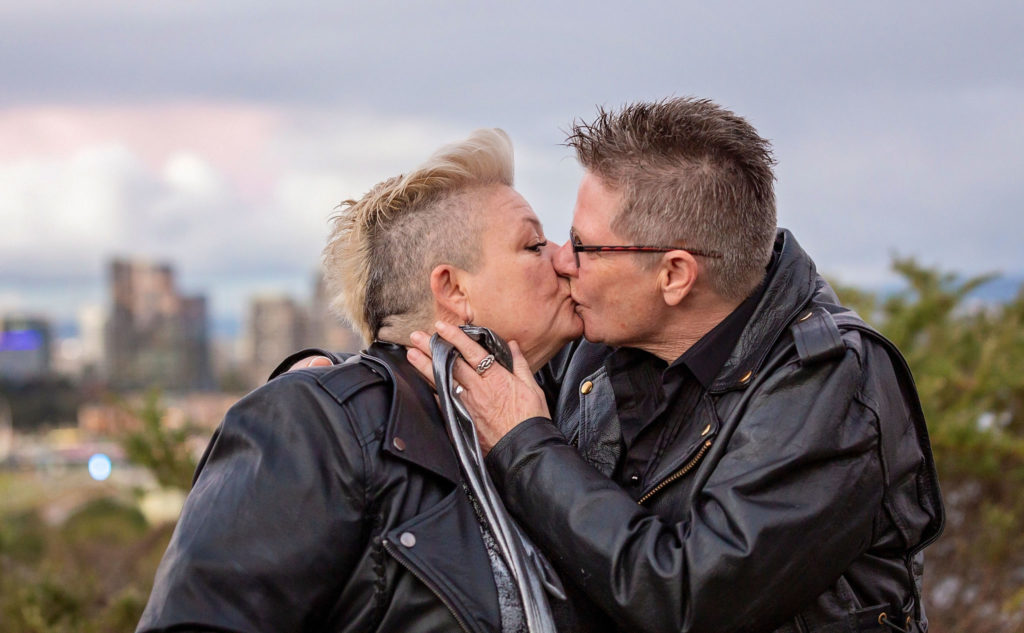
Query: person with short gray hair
x=730 y=449
x=689 y=173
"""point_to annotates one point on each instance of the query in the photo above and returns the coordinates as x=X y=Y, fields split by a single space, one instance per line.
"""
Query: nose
x=564 y=261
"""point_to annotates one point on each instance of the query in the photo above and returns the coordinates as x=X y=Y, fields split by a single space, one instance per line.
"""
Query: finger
x=315 y=361
x=422 y=363
x=421 y=341
x=523 y=371
x=466 y=374
x=520 y=366
x=472 y=351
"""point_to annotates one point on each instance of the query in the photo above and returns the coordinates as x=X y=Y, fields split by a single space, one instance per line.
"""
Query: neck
x=398 y=336
x=539 y=356
x=683 y=328
x=535 y=357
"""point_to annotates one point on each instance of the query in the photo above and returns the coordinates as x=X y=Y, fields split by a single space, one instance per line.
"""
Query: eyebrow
x=535 y=224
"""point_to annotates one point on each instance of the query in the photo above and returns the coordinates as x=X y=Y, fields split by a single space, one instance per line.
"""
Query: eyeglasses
x=578 y=247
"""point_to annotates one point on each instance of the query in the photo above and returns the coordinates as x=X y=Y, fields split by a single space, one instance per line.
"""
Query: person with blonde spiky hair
x=331 y=499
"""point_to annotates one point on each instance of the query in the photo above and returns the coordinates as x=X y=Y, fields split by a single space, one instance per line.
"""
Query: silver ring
x=459 y=390
x=484 y=364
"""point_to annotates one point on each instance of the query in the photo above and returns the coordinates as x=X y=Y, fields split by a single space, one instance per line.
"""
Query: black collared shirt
x=654 y=398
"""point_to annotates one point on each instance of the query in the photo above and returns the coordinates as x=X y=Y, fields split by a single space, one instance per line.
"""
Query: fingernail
x=439 y=325
x=416 y=336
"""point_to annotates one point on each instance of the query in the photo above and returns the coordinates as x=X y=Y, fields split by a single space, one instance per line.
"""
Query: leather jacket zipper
x=679 y=473
x=433 y=588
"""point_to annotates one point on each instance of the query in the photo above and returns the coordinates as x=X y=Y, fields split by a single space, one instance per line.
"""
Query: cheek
x=545 y=279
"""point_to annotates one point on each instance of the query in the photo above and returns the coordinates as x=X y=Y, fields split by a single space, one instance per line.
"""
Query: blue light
x=19 y=340
x=99 y=466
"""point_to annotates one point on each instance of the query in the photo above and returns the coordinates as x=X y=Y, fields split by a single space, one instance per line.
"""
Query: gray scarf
x=533 y=575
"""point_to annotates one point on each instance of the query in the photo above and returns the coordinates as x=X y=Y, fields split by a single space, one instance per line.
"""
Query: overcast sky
x=219 y=135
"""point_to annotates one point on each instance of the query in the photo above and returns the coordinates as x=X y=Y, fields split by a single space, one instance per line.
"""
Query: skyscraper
x=277 y=326
x=155 y=336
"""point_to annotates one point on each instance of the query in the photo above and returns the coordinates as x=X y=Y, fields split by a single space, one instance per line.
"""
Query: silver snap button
x=408 y=539
x=399 y=443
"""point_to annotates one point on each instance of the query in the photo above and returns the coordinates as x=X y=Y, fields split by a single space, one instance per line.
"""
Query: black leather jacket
x=797 y=498
x=329 y=500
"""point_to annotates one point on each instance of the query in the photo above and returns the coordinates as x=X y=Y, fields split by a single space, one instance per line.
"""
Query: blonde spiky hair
x=382 y=247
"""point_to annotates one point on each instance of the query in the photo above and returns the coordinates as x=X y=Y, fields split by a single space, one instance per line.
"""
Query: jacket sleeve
x=273 y=523
x=790 y=504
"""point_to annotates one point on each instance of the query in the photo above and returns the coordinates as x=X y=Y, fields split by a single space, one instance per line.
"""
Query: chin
x=578 y=326
x=574 y=325
x=592 y=333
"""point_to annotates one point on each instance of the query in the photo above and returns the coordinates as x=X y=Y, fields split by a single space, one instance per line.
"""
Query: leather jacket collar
x=790 y=286
x=414 y=431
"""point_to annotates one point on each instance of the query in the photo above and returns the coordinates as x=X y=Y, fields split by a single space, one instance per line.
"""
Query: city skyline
x=151 y=331
x=221 y=135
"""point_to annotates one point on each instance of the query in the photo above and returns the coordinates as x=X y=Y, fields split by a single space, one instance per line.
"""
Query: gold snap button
x=586 y=387
x=706 y=430
x=399 y=443
x=746 y=377
x=407 y=539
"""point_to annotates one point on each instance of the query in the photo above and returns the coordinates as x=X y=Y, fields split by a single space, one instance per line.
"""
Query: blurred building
x=92 y=336
x=155 y=336
x=276 y=327
x=82 y=356
x=26 y=347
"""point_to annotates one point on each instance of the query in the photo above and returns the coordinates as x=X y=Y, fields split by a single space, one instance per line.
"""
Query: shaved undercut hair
x=690 y=173
x=383 y=247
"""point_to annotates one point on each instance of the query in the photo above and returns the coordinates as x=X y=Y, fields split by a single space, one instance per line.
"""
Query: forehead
x=506 y=210
x=596 y=206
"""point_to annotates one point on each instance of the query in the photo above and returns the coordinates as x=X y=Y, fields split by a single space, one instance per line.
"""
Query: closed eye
x=536 y=247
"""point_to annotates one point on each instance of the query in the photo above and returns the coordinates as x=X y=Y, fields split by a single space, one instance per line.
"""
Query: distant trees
x=968 y=362
x=91 y=573
x=164 y=451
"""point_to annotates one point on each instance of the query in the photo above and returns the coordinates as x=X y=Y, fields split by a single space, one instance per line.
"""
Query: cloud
x=932 y=176
x=68 y=209
x=223 y=135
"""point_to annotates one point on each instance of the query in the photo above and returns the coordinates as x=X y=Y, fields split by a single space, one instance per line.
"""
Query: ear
x=677 y=276
x=451 y=300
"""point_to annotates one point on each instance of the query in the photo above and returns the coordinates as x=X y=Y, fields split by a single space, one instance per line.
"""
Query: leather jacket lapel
x=415 y=431
x=462 y=579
